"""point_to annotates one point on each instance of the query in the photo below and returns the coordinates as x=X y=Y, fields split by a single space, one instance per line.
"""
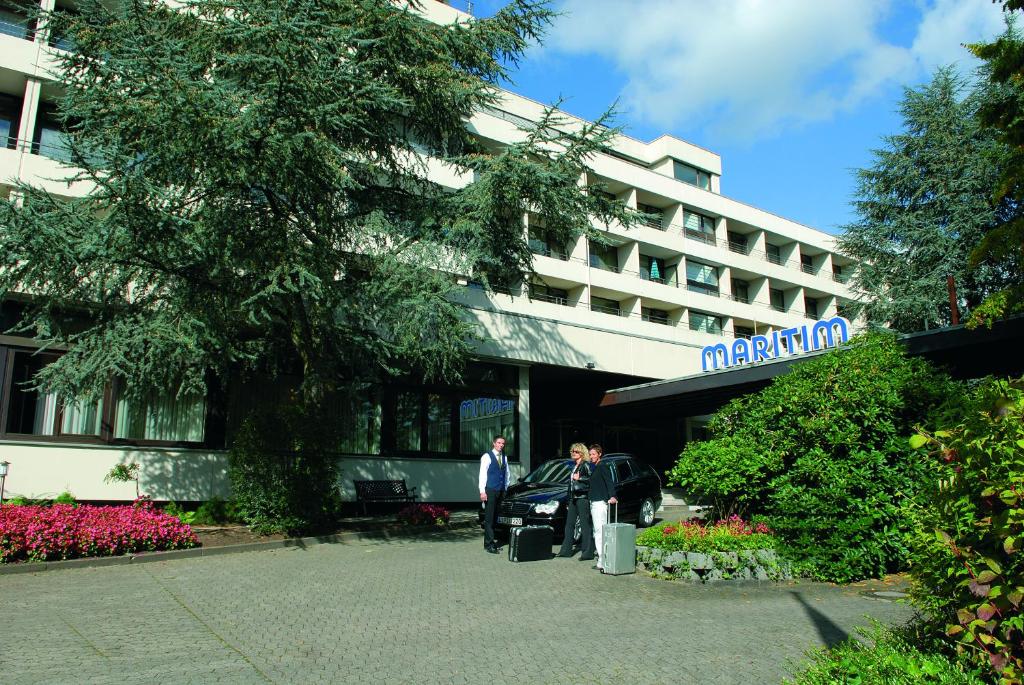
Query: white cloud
x=748 y=68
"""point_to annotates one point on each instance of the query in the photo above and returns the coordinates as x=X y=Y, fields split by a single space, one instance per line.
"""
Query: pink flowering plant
x=727 y=535
x=424 y=514
x=62 y=531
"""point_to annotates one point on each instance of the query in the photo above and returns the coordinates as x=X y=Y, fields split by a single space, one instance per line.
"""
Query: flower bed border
x=705 y=567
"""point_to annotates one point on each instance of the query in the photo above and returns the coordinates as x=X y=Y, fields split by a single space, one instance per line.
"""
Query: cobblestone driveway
x=435 y=610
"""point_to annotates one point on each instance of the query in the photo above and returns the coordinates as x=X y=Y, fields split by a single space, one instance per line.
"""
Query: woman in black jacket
x=578 y=506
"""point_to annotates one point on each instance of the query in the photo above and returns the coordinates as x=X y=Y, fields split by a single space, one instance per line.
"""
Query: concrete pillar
x=523 y=447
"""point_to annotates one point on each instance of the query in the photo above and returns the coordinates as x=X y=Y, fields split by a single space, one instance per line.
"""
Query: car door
x=629 y=495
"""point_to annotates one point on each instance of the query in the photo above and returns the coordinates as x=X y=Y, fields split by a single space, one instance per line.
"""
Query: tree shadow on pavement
x=830 y=632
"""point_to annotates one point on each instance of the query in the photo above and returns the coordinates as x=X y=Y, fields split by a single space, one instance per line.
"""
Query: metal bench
x=369 y=491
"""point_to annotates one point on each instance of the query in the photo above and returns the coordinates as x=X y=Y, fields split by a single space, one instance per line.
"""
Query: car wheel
x=646 y=517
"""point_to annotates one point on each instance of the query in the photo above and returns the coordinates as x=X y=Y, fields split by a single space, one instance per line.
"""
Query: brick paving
x=429 y=610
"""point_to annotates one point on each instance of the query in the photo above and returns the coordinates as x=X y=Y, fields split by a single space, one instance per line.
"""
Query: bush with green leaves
x=283 y=469
x=822 y=454
x=903 y=656
x=967 y=562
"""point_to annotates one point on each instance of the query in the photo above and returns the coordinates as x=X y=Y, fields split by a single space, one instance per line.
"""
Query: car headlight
x=546 y=507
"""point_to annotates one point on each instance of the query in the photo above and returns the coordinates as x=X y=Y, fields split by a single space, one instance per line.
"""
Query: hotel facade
x=700 y=269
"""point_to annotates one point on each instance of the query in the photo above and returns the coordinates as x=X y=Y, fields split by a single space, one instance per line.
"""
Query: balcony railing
x=553 y=299
x=808 y=269
x=703 y=289
x=604 y=266
x=778 y=308
x=656 y=318
x=702 y=236
x=713 y=329
x=738 y=248
x=840 y=278
x=774 y=258
x=603 y=309
x=547 y=251
x=652 y=222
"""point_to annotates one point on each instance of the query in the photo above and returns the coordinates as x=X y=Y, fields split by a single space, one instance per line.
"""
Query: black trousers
x=579 y=507
x=490 y=512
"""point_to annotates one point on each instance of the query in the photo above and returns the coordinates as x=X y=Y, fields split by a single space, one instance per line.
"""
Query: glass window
x=10 y=116
x=737 y=242
x=740 y=290
x=546 y=293
x=482 y=418
x=654 y=315
x=439 y=424
x=604 y=305
x=15 y=22
x=543 y=243
x=160 y=416
x=604 y=256
x=701 y=277
x=699 y=226
x=707 y=323
x=743 y=332
x=692 y=175
x=408 y=422
x=778 y=299
x=50 y=139
x=652 y=221
x=622 y=471
x=773 y=254
x=807 y=263
x=811 y=307
x=359 y=416
x=31 y=412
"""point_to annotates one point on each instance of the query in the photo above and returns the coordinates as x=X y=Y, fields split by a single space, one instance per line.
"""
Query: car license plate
x=510 y=520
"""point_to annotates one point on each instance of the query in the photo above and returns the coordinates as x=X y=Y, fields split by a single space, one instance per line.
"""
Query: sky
x=793 y=94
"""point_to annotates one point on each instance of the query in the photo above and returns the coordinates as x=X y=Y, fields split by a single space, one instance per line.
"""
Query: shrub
x=729 y=535
x=64 y=498
x=63 y=531
x=967 y=566
x=822 y=454
x=424 y=514
x=284 y=471
x=216 y=511
x=891 y=657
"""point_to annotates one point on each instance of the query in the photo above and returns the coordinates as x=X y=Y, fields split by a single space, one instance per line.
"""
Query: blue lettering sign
x=825 y=333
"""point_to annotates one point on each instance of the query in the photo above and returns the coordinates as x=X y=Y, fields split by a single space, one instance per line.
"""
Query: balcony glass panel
x=705 y=323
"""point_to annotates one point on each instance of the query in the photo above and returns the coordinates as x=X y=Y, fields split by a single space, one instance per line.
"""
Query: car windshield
x=550 y=472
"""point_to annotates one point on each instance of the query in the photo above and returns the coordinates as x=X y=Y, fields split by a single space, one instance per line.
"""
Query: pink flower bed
x=64 y=531
x=424 y=514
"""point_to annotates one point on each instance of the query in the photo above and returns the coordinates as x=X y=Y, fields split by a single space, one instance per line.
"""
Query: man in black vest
x=494 y=478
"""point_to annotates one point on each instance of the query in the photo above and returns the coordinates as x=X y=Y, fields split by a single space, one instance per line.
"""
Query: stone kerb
x=755 y=564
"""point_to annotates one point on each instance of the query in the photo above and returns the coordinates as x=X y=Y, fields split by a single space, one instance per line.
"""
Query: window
x=10 y=117
x=837 y=274
x=701 y=278
x=543 y=243
x=740 y=291
x=655 y=221
x=654 y=315
x=811 y=307
x=773 y=254
x=162 y=417
x=50 y=140
x=481 y=418
x=699 y=227
x=154 y=417
x=622 y=471
x=59 y=37
x=692 y=175
x=408 y=421
x=604 y=305
x=439 y=424
x=777 y=299
x=807 y=263
x=359 y=419
x=708 y=323
x=743 y=332
x=737 y=242
x=14 y=21
x=604 y=257
x=545 y=293
x=655 y=269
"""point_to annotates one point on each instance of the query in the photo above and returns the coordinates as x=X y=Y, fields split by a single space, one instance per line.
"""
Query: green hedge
x=822 y=454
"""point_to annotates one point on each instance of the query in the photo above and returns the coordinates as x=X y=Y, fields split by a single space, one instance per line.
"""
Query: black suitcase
x=530 y=543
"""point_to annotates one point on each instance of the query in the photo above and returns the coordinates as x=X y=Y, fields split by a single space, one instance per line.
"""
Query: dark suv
x=540 y=497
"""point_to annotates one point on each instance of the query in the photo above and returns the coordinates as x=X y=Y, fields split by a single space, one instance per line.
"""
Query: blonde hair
x=581 y=448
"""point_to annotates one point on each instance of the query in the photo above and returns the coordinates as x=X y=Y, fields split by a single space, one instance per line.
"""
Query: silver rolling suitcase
x=618 y=553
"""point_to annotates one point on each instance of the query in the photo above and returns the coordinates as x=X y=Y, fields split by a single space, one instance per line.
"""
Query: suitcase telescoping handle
x=616 y=505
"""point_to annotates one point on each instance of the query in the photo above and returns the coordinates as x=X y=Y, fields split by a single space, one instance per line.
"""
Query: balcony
x=606 y=309
x=15 y=25
x=548 y=251
x=658 y=317
x=701 y=236
x=808 y=269
x=738 y=248
x=553 y=299
x=774 y=258
x=703 y=289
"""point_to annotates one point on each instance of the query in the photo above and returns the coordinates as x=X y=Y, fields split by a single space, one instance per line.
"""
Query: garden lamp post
x=3 y=478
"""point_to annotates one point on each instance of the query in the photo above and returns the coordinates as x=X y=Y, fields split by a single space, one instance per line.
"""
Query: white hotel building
x=705 y=269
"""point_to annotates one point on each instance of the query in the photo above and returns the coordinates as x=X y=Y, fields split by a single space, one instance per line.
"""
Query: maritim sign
x=790 y=341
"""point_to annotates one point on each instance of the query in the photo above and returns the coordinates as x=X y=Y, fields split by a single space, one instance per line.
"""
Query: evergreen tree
x=263 y=196
x=923 y=206
x=1003 y=113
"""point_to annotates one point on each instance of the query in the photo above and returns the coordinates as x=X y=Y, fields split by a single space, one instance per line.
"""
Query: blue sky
x=793 y=94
